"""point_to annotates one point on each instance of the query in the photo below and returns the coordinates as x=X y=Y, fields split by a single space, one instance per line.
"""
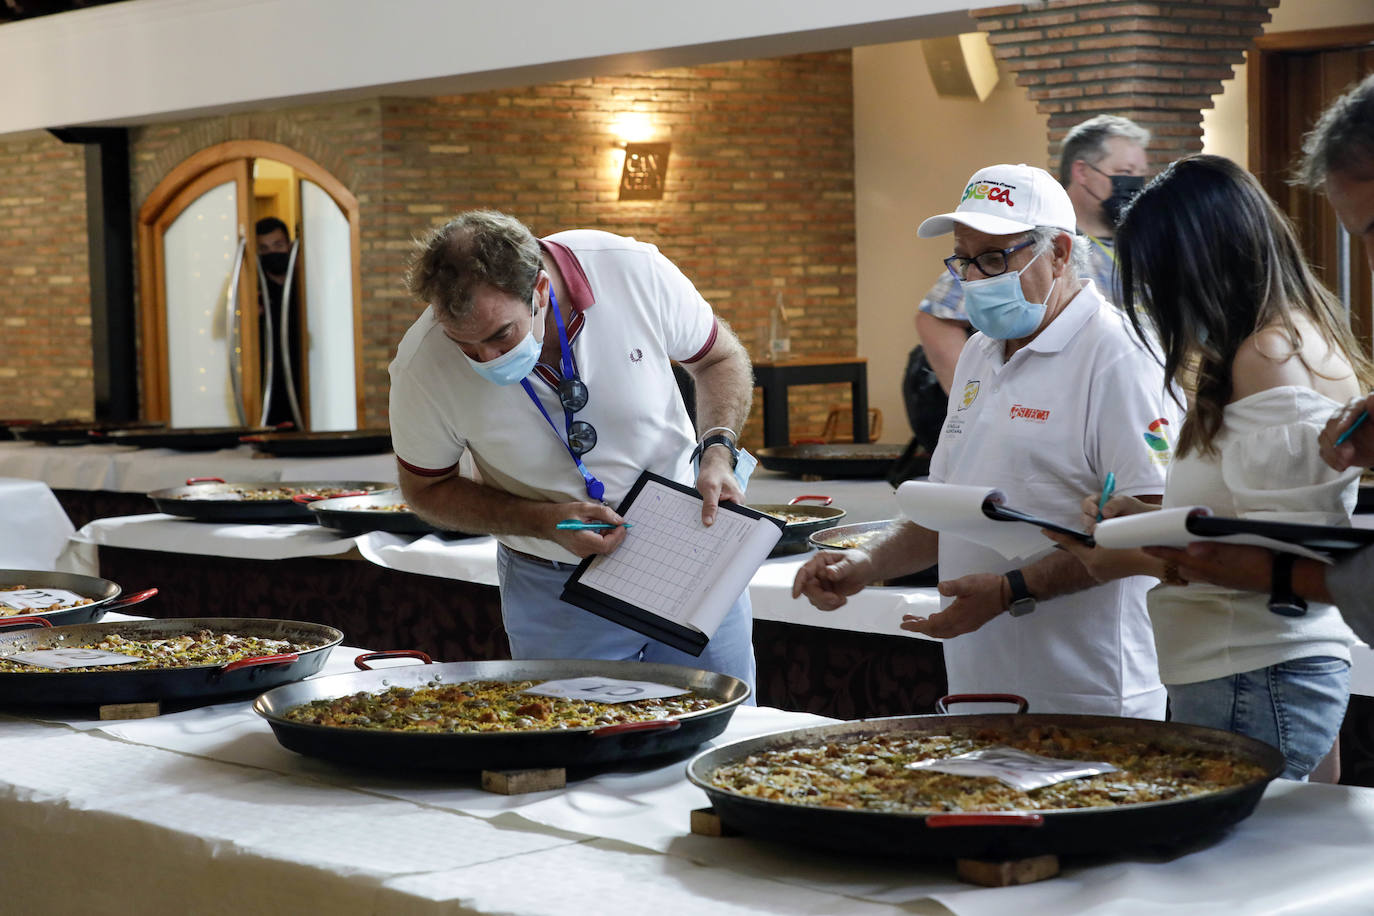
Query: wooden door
x=1293 y=76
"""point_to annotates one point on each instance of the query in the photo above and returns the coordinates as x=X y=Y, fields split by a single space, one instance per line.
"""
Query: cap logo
x=993 y=191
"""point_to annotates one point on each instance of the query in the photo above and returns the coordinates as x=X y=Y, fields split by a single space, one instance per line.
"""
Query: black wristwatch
x=1282 y=599
x=717 y=439
x=1022 y=601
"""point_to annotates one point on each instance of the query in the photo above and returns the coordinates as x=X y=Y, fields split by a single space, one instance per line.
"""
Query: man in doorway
x=1054 y=393
x=274 y=254
x=549 y=362
x=1102 y=165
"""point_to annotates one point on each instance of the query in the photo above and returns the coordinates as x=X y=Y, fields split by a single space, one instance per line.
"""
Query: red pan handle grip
x=942 y=705
x=9 y=623
x=652 y=725
x=362 y=660
x=194 y=480
x=284 y=659
x=986 y=819
x=823 y=500
x=131 y=600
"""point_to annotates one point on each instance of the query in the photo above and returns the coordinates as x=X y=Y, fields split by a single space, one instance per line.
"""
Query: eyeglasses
x=990 y=263
x=573 y=396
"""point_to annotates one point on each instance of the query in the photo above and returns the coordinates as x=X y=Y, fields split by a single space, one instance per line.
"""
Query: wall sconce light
x=645 y=171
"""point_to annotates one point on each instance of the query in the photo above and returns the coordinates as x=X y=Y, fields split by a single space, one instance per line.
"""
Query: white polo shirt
x=646 y=313
x=1082 y=399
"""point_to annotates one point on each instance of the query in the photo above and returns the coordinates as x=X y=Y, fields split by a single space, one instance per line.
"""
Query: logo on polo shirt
x=970 y=394
x=994 y=191
x=636 y=355
x=1157 y=438
x=1034 y=414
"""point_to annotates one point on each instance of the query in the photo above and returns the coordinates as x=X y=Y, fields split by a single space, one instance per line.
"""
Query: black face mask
x=1124 y=190
x=274 y=262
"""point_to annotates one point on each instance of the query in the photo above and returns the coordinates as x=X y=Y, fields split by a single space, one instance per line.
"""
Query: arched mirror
x=251 y=304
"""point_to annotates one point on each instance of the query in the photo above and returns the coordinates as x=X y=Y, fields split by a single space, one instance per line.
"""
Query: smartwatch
x=1282 y=599
x=1022 y=601
x=717 y=439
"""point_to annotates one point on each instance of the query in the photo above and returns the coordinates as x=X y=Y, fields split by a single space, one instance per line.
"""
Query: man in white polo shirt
x=1049 y=397
x=548 y=362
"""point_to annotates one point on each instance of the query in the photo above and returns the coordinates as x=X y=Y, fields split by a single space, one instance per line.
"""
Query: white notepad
x=673 y=578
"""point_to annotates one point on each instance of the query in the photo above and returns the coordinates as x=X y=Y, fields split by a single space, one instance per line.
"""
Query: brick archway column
x=1158 y=63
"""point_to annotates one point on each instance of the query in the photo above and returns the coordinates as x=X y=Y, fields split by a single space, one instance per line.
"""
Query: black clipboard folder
x=654 y=504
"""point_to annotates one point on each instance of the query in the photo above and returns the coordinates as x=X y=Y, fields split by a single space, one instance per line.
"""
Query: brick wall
x=45 y=320
x=1158 y=63
x=759 y=198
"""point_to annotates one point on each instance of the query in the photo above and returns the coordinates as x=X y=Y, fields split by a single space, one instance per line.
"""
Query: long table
x=439 y=596
x=202 y=811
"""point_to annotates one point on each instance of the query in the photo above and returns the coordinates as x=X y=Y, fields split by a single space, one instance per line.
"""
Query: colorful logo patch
x=1034 y=414
x=970 y=394
x=992 y=191
x=1156 y=437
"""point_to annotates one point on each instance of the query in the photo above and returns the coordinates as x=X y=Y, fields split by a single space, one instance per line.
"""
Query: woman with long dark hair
x=1214 y=280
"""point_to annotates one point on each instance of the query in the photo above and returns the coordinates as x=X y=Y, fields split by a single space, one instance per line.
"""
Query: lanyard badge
x=573 y=396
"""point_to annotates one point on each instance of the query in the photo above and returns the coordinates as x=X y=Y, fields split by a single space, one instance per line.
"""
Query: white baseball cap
x=1005 y=200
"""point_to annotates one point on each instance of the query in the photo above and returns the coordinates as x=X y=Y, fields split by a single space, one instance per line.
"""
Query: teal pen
x=1364 y=415
x=572 y=524
x=1108 y=488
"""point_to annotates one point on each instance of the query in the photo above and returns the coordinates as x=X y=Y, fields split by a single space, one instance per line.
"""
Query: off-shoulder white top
x=1267 y=466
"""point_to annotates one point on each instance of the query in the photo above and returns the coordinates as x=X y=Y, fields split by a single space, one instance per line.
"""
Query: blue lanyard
x=595 y=488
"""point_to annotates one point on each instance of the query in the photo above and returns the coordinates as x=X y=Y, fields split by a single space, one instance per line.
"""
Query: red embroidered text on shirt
x=1033 y=414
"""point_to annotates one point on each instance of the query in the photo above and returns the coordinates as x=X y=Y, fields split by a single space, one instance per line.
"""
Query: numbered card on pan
x=57 y=659
x=1018 y=769
x=605 y=689
x=38 y=599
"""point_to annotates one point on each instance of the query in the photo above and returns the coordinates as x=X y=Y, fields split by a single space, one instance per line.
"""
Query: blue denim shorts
x=540 y=625
x=1296 y=706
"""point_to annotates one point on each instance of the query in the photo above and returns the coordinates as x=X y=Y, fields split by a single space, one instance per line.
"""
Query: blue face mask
x=513 y=365
x=997 y=306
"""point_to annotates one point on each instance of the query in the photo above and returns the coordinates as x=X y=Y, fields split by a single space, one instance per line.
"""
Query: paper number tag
x=1018 y=769
x=37 y=599
x=58 y=659
x=605 y=689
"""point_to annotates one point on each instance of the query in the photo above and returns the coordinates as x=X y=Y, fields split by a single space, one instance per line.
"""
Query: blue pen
x=1108 y=488
x=572 y=524
x=1364 y=415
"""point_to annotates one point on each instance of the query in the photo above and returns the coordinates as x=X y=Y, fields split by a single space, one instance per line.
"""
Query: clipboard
x=1001 y=513
x=1323 y=538
x=1180 y=526
x=672 y=578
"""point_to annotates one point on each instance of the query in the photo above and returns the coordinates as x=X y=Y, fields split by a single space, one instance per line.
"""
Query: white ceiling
x=148 y=60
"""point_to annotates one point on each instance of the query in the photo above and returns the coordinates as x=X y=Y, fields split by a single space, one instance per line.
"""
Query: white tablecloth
x=128 y=469
x=33 y=527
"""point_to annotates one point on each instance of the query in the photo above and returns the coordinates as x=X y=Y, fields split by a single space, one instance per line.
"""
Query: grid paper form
x=669 y=559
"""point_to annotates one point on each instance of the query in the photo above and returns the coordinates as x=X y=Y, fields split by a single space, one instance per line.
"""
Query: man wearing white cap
x=1052 y=395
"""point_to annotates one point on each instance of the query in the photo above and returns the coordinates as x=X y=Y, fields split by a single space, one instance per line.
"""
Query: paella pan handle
x=986 y=819
x=190 y=481
x=823 y=500
x=10 y=623
x=942 y=705
x=303 y=498
x=652 y=725
x=283 y=659
x=362 y=660
x=130 y=600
